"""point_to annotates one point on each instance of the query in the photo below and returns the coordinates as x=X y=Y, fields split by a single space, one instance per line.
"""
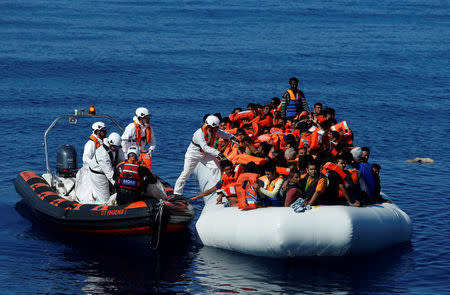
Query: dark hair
x=302 y=126
x=347 y=156
x=266 y=147
x=251 y=106
x=226 y=120
x=252 y=167
x=293 y=171
x=218 y=115
x=276 y=100
x=339 y=157
x=318 y=104
x=365 y=149
x=270 y=166
x=335 y=134
x=313 y=162
x=236 y=109
x=241 y=130
x=376 y=166
x=226 y=163
x=326 y=124
x=330 y=111
x=293 y=79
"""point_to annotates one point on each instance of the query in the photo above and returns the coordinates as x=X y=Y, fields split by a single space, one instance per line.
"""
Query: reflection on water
x=224 y=271
x=108 y=264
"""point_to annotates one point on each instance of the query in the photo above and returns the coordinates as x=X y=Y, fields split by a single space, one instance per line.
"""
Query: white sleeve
x=224 y=134
x=105 y=164
x=89 y=151
x=152 y=143
x=199 y=139
x=128 y=134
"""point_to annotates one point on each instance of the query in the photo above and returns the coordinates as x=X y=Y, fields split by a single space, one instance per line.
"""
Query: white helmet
x=98 y=126
x=212 y=121
x=114 y=139
x=133 y=150
x=142 y=112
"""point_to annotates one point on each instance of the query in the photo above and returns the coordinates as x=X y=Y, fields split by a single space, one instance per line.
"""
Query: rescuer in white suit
x=101 y=170
x=141 y=134
x=201 y=150
x=99 y=132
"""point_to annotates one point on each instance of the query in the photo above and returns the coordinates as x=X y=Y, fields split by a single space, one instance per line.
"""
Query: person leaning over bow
x=225 y=186
x=201 y=150
x=293 y=101
x=140 y=133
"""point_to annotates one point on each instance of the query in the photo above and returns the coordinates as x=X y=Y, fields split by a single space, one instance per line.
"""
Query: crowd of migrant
x=281 y=152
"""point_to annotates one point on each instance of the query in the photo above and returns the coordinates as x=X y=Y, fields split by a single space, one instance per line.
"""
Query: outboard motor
x=66 y=161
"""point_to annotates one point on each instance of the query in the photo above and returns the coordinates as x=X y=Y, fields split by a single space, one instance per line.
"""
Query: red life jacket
x=129 y=178
x=95 y=140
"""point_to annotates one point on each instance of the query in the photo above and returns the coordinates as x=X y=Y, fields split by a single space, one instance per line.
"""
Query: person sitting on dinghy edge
x=140 y=133
x=226 y=185
x=201 y=150
x=101 y=170
x=269 y=186
x=132 y=178
x=99 y=131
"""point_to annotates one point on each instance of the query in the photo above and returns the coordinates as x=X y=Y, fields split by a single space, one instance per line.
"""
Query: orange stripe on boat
x=56 y=202
x=100 y=208
x=27 y=175
x=36 y=185
x=139 y=204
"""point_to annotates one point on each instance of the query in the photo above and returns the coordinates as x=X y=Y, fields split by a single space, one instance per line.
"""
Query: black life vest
x=129 y=178
x=311 y=188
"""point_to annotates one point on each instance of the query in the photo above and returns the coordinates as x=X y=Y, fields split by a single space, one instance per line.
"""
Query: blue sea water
x=383 y=65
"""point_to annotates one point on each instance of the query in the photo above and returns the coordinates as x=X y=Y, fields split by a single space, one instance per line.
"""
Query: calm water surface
x=383 y=65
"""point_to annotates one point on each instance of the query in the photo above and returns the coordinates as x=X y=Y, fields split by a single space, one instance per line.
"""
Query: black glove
x=221 y=157
x=235 y=140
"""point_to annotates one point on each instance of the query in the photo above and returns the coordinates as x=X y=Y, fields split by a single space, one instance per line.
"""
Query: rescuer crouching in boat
x=133 y=180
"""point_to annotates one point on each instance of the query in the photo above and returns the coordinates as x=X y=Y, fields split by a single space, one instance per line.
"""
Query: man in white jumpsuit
x=101 y=170
x=99 y=131
x=201 y=150
x=141 y=134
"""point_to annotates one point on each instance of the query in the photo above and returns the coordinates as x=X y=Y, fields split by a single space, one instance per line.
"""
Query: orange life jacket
x=210 y=138
x=246 y=193
x=95 y=140
x=148 y=133
x=243 y=117
x=270 y=184
x=245 y=159
x=305 y=140
x=319 y=142
x=231 y=151
x=291 y=94
x=347 y=135
x=283 y=170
